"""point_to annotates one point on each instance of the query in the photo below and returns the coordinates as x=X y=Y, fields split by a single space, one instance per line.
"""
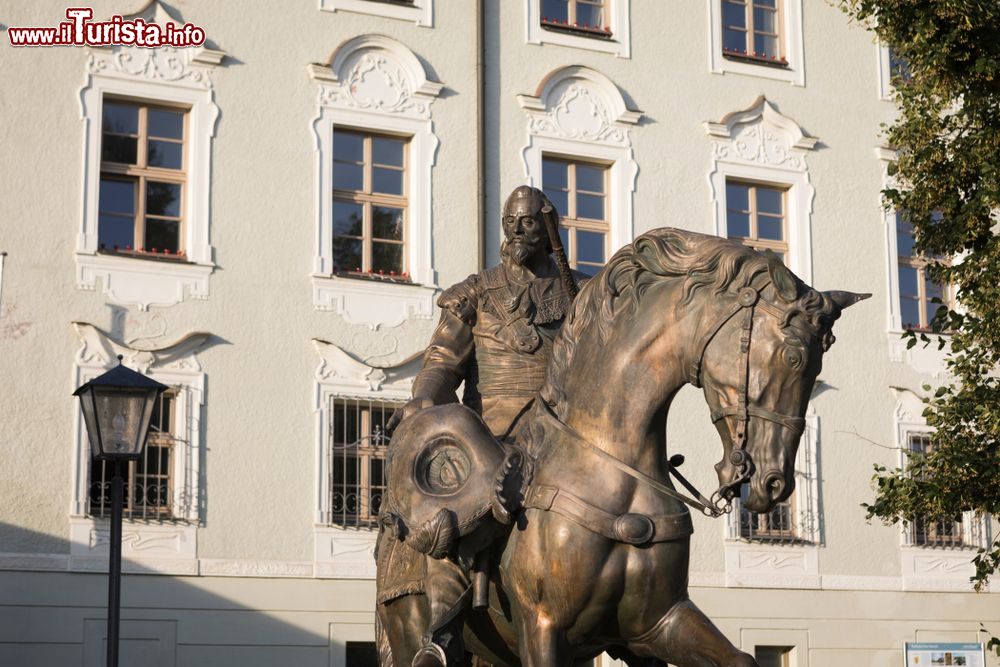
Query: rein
x=699 y=502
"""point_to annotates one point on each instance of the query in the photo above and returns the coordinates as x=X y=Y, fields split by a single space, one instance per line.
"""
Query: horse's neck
x=618 y=391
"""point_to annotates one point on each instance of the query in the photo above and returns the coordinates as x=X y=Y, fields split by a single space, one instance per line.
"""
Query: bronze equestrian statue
x=567 y=537
x=495 y=335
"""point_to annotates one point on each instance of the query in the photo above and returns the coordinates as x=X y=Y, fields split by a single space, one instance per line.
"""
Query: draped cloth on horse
x=447 y=486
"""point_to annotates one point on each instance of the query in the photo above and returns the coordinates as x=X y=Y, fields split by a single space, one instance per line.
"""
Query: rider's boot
x=449 y=592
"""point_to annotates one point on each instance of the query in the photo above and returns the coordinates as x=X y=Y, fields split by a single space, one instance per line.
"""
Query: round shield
x=443 y=457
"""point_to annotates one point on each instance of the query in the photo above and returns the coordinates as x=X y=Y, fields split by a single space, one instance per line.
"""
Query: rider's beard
x=520 y=250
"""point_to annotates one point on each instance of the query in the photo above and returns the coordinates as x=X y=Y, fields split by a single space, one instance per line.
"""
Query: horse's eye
x=793 y=357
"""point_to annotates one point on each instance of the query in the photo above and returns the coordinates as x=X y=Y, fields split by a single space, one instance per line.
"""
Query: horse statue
x=595 y=556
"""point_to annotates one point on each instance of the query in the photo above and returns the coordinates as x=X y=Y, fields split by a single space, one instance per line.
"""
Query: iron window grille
x=776 y=525
x=945 y=532
x=149 y=482
x=357 y=460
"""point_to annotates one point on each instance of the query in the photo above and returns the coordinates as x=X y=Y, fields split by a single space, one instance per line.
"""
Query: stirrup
x=430 y=655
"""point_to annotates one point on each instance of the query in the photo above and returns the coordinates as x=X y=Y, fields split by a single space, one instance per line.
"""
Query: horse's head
x=761 y=351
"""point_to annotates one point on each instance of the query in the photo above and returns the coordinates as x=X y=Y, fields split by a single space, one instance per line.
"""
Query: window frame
x=919 y=264
x=401 y=106
x=571 y=25
x=159 y=439
x=182 y=80
x=751 y=33
x=964 y=525
x=346 y=552
x=754 y=240
x=368 y=199
x=932 y=568
x=760 y=145
x=140 y=172
x=615 y=41
x=791 y=70
x=157 y=543
x=749 y=562
x=365 y=517
x=568 y=219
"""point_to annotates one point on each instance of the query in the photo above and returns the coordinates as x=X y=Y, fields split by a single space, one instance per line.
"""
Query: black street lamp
x=117 y=407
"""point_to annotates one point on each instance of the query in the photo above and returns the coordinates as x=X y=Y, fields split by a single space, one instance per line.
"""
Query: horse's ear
x=845 y=299
x=784 y=281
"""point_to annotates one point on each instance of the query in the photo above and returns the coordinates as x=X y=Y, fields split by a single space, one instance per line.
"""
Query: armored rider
x=495 y=334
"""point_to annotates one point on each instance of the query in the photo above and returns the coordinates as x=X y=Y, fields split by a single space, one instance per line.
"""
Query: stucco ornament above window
x=581 y=104
x=179 y=79
x=760 y=134
x=376 y=85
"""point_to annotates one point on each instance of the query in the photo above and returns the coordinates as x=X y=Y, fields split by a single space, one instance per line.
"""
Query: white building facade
x=263 y=223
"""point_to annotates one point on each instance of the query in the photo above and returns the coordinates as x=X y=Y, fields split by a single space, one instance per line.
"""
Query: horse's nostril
x=774 y=484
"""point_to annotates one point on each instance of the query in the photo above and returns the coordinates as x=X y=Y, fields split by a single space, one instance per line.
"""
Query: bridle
x=747 y=301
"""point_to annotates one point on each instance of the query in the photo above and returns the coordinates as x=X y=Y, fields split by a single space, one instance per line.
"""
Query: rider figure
x=495 y=334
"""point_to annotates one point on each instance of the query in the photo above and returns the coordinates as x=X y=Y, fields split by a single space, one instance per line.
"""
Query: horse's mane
x=702 y=261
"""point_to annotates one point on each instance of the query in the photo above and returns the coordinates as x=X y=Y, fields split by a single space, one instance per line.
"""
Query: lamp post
x=117 y=407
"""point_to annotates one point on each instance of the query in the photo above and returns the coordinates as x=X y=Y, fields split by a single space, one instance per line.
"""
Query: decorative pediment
x=339 y=367
x=909 y=406
x=761 y=135
x=188 y=66
x=99 y=350
x=579 y=103
x=376 y=74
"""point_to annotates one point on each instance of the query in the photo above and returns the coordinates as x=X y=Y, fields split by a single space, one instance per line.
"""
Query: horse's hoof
x=431 y=655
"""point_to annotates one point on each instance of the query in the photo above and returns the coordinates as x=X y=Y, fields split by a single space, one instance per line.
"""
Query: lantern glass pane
x=90 y=420
x=120 y=415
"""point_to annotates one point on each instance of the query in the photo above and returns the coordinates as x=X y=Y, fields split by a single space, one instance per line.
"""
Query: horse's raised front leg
x=686 y=638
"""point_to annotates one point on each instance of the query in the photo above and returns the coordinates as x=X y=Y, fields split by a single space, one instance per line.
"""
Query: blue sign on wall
x=926 y=654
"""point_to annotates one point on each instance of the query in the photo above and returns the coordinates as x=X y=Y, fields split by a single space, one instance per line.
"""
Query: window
x=142 y=179
x=149 y=487
x=776 y=525
x=358 y=446
x=369 y=204
x=773 y=656
x=760 y=38
x=361 y=654
x=916 y=290
x=583 y=16
x=925 y=532
x=591 y=25
x=751 y=30
x=755 y=214
x=579 y=192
